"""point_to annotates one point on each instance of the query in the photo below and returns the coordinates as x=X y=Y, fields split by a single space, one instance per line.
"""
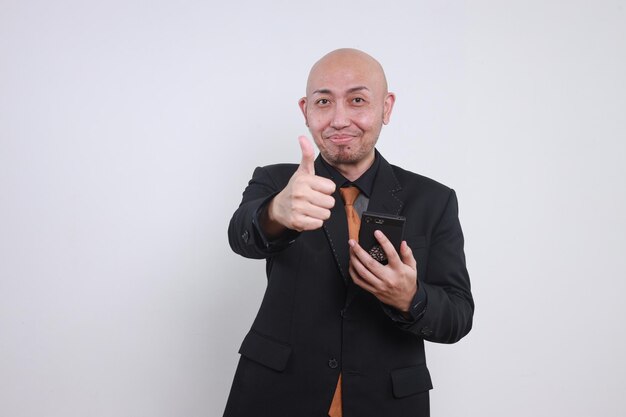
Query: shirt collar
x=365 y=182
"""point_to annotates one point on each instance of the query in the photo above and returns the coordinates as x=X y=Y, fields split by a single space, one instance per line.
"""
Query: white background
x=128 y=130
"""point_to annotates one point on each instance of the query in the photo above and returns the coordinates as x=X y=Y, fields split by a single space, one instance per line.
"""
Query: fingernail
x=378 y=233
x=351 y=243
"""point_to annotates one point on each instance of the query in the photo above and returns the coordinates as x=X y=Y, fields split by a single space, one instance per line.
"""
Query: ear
x=302 y=103
x=390 y=99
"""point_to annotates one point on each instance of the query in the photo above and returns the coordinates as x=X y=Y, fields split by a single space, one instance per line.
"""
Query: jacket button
x=332 y=363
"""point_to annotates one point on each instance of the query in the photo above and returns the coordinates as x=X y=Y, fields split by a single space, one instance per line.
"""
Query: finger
x=308 y=156
x=360 y=281
x=390 y=251
x=406 y=254
x=304 y=222
x=357 y=250
x=315 y=212
x=307 y=184
x=359 y=254
x=323 y=185
x=321 y=200
x=366 y=274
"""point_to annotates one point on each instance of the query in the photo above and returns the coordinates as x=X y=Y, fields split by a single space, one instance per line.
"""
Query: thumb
x=308 y=156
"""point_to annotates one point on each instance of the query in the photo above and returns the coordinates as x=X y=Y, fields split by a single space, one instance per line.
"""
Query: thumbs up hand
x=305 y=202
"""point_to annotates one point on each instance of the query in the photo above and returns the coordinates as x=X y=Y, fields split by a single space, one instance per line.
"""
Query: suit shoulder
x=278 y=174
x=408 y=179
x=280 y=170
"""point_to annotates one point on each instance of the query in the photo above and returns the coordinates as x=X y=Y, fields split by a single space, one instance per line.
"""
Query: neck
x=352 y=171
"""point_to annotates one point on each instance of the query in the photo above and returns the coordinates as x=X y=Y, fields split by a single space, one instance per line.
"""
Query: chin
x=344 y=156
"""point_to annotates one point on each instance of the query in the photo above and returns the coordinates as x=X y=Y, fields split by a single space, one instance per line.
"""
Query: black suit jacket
x=314 y=322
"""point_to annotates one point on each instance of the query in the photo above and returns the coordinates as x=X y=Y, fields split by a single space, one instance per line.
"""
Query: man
x=339 y=333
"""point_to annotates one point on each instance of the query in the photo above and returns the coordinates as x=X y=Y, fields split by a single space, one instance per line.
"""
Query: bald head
x=347 y=62
x=345 y=107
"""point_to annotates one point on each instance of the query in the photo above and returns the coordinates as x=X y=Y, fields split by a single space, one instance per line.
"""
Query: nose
x=340 y=117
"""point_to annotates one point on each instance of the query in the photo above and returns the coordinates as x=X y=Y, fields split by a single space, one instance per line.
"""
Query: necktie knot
x=349 y=195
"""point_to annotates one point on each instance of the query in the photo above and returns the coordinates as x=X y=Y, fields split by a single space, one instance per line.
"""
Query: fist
x=306 y=201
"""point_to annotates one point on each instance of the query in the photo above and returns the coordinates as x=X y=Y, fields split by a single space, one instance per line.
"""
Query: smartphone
x=392 y=227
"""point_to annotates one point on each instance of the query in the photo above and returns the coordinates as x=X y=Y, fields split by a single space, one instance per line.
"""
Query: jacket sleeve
x=449 y=309
x=244 y=233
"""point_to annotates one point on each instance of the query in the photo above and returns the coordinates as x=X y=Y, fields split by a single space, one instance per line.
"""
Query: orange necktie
x=349 y=195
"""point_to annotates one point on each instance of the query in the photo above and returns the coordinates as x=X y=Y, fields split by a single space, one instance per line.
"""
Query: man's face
x=346 y=105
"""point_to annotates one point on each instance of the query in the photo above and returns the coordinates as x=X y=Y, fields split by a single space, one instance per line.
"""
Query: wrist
x=272 y=228
x=405 y=310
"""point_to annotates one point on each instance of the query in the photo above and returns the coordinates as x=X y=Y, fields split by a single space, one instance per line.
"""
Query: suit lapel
x=336 y=228
x=385 y=196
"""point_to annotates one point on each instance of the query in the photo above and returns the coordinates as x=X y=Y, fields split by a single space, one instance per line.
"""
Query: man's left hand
x=394 y=284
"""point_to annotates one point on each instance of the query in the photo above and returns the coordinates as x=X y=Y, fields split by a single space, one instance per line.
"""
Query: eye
x=322 y=101
x=358 y=100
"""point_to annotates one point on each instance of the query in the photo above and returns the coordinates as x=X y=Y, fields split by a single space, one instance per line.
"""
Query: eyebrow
x=350 y=90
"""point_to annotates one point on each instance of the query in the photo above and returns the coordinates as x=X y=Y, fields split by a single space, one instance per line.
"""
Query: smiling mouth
x=341 y=139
